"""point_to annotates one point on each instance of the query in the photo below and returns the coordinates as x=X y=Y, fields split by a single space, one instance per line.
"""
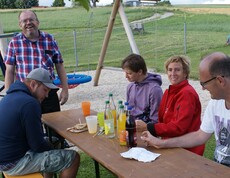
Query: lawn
x=192 y=30
x=162 y=38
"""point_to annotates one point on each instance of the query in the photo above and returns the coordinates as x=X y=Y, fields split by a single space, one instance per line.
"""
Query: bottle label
x=122 y=137
x=109 y=127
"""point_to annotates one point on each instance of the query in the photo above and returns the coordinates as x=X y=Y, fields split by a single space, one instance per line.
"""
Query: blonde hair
x=184 y=60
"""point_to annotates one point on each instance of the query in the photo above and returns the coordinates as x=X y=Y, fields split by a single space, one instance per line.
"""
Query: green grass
x=162 y=38
x=88 y=164
x=210 y=148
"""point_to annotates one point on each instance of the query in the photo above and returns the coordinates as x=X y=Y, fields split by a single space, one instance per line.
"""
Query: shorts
x=53 y=161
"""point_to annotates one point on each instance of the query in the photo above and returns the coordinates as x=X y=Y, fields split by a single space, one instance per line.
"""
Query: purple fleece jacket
x=145 y=96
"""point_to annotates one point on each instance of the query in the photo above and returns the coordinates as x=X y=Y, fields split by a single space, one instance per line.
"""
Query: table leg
x=3 y=175
x=97 y=169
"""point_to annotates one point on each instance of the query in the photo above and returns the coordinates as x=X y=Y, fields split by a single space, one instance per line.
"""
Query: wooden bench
x=34 y=175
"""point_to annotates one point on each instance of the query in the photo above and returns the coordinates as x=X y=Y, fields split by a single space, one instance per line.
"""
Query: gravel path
x=115 y=82
x=156 y=16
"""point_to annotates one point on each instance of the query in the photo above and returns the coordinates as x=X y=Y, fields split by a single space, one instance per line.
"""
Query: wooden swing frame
x=117 y=7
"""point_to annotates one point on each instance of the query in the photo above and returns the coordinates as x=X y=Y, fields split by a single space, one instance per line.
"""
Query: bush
x=17 y=4
x=164 y=3
x=58 y=3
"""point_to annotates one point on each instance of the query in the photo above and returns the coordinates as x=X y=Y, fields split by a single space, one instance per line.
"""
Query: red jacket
x=179 y=113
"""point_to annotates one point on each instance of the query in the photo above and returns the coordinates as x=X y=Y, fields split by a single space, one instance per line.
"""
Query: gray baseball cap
x=43 y=76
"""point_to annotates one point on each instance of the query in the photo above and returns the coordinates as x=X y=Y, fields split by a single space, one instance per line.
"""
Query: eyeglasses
x=26 y=20
x=204 y=83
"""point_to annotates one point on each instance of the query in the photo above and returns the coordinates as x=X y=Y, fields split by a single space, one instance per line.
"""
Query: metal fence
x=81 y=48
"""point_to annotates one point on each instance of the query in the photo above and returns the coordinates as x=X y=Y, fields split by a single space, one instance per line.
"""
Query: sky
x=173 y=2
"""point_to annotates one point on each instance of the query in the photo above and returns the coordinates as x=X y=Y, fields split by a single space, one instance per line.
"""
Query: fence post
x=185 y=36
x=3 y=42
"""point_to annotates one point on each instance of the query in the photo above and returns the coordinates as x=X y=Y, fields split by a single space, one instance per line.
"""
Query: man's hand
x=63 y=97
x=141 y=126
x=151 y=140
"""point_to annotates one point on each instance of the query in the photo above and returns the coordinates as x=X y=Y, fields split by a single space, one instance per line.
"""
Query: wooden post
x=128 y=30
x=106 y=41
x=116 y=7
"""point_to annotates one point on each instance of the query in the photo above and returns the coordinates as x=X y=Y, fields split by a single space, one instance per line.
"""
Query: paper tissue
x=140 y=154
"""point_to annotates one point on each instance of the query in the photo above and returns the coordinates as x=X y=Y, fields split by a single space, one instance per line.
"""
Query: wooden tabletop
x=176 y=162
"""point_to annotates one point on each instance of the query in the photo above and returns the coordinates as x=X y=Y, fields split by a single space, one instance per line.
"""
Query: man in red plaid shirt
x=32 y=49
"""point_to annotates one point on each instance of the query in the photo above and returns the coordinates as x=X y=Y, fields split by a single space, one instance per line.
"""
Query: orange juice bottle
x=113 y=108
x=121 y=126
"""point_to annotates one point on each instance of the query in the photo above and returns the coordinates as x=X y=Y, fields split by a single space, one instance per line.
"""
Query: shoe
x=65 y=144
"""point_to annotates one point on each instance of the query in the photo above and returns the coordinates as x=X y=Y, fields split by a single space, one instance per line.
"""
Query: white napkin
x=140 y=154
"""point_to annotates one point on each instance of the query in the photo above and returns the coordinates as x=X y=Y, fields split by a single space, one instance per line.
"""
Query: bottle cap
x=110 y=94
x=126 y=103
x=120 y=102
x=107 y=102
x=121 y=106
x=130 y=107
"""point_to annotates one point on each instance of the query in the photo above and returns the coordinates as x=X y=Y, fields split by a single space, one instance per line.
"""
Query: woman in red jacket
x=180 y=108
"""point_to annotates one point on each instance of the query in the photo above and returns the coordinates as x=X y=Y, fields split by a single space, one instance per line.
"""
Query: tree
x=84 y=3
x=7 y=4
x=22 y=4
x=58 y=3
x=94 y=2
x=34 y=3
x=17 y=4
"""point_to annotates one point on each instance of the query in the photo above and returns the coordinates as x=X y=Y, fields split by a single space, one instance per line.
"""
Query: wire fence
x=81 y=47
x=153 y=44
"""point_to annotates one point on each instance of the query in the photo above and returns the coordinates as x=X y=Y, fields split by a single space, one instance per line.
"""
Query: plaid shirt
x=27 y=55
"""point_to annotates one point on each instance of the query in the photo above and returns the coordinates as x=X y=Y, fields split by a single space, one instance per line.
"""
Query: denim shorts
x=53 y=161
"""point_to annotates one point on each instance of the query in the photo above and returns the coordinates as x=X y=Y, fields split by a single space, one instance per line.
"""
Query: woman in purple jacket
x=144 y=93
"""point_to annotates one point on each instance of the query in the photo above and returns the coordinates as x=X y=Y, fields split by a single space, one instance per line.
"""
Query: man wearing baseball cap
x=23 y=149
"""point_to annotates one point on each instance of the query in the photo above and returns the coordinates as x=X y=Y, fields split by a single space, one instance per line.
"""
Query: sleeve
x=31 y=121
x=206 y=124
x=181 y=118
x=155 y=99
x=57 y=56
x=10 y=57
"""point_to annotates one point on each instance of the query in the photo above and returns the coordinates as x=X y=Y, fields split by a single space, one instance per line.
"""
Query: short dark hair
x=220 y=66
x=135 y=63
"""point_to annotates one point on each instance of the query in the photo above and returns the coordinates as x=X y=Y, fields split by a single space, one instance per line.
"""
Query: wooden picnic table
x=176 y=162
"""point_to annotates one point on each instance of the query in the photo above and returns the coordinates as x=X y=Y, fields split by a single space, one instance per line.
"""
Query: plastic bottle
x=108 y=121
x=121 y=126
x=126 y=107
x=131 y=136
x=113 y=108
